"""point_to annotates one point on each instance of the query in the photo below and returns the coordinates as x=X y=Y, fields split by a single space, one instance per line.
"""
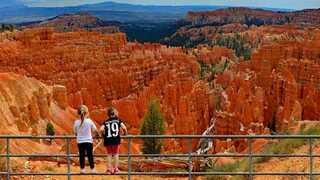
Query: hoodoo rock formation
x=277 y=87
x=212 y=55
x=100 y=70
x=233 y=71
x=251 y=37
x=274 y=88
x=187 y=104
x=26 y=106
x=243 y=29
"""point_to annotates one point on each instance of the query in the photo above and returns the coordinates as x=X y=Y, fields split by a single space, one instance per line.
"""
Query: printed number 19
x=114 y=130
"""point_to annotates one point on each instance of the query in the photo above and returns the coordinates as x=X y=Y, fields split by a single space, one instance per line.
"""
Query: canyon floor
x=51 y=167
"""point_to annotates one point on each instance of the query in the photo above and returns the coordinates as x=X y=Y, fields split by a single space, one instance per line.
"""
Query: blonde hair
x=83 y=111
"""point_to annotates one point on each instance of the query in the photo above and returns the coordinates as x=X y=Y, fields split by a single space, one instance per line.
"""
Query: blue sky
x=289 y=4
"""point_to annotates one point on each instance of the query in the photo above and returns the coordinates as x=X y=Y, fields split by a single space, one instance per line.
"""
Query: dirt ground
x=51 y=167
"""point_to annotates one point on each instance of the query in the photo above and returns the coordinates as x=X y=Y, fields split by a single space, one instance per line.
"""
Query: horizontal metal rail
x=165 y=155
x=172 y=174
x=189 y=156
x=175 y=137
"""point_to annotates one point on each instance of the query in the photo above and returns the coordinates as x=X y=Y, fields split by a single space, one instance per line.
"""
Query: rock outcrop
x=213 y=55
x=76 y=22
x=249 y=37
x=186 y=104
x=274 y=88
x=97 y=69
x=243 y=29
x=26 y=106
x=277 y=88
x=102 y=70
x=252 y=17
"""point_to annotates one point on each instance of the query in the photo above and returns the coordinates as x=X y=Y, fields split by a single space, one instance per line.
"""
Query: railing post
x=311 y=159
x=190 y=158
x=129 y=158
x=8 y=158
x=250 y=158
x=68 y=158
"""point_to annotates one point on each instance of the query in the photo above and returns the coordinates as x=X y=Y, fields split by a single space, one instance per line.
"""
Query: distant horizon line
x=163 y=5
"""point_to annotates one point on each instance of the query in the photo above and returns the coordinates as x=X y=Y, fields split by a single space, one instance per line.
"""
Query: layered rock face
x=26 y=106
x=97 y=69
x=187 y=104
x=243 y=29
x=272 y=90
x=252 y=37
x=75 y=22
x=252 y=17
x=276 y=88
x=212 y=55
x=7 y=36
x=193 y=36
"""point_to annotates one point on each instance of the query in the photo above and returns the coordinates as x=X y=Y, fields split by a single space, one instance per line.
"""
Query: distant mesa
x=242 y=29
x=250 y=16
x=73 y=22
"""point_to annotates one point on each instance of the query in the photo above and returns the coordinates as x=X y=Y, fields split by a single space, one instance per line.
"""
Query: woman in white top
x=83 y=129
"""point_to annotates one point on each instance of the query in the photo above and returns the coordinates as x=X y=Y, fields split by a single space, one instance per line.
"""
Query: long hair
x=82 y=112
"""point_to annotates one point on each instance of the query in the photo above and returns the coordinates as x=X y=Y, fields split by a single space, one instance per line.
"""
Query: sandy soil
x=290 y=165
x=51 y=167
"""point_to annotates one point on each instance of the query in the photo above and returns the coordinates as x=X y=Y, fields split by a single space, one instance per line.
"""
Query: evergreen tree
x=237 y=42
x=247 y=54
x=50 y=129
x=203 y=69
x=6 y=27
x=152 y=125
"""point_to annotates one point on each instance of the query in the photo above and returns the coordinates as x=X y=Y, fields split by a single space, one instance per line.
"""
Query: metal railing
x=190 y=155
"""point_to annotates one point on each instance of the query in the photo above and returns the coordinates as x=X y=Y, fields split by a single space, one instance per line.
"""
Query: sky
x=287 y=4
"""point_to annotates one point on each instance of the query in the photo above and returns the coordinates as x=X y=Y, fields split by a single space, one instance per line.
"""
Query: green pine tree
x=152 y=125
x=50 y=129
x=203 y=69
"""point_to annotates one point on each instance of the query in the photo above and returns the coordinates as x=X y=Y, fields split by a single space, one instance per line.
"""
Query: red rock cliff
x=26 y=106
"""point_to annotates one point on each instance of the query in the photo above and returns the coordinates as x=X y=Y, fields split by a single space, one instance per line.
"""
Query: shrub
x=203 y=70
x=6 y=27
x=238 y=43
x=50 y=129
x=152 y=125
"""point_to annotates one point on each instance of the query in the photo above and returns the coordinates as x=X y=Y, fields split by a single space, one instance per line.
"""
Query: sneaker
x=93 y=171
x=82 y=171
x=109 y=171
x=116 y=170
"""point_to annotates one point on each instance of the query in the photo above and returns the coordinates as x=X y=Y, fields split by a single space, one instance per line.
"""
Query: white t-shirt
x=84 y=133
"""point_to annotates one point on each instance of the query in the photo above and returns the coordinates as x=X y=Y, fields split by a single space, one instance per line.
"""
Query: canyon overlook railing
x=8 y=173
